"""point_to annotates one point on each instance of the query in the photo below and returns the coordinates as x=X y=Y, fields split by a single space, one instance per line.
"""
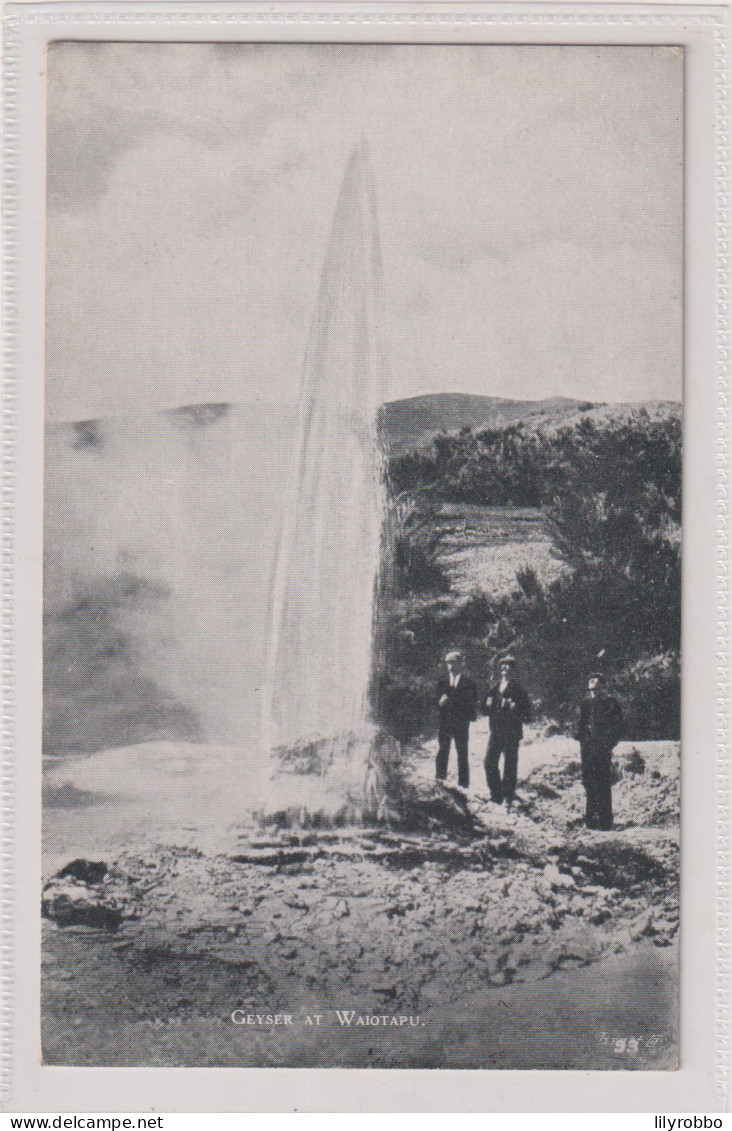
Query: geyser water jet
x=322 y=595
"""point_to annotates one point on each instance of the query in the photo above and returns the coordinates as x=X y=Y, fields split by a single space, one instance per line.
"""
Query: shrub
x=417 y=566
x=650 y=692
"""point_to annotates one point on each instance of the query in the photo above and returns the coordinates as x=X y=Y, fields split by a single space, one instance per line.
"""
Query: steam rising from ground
x=211 y=571
x=159 y=544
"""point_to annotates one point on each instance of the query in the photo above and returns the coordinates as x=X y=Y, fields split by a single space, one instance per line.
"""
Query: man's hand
x=489 y=703
x=443 y=701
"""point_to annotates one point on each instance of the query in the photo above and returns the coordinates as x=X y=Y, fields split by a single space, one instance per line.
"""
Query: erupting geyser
x=322 y=596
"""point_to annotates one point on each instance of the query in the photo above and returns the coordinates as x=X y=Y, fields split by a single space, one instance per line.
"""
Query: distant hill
x=414 y=421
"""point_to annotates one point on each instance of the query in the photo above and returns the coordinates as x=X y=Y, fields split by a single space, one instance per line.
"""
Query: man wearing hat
x=457 y=704
x=508 y=708
x=600 y=727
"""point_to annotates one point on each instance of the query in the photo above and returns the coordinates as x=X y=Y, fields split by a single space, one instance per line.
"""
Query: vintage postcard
x=355 y=373
x=362 y=536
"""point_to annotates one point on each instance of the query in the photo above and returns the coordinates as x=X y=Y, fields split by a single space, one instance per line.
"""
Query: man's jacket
x=508 y=710
x=462 y=702
x=601 y=722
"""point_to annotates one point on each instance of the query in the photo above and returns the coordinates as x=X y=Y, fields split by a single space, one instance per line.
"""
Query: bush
x=416 y=565
x=650 y=692
x=413 y=548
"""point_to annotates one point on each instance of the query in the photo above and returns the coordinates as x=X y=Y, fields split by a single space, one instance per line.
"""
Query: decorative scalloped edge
x=7 y=552
x=204 y=15
x=723 y=576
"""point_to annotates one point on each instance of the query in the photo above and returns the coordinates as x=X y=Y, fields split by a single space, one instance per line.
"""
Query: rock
x=634 y=763
x=558 y=879
x=68 y=902
x=341 y=909
x=623 y=941
x=642 y=926
x=501 y=978
x=541 y=789
x=85 y=871
x=571 y=962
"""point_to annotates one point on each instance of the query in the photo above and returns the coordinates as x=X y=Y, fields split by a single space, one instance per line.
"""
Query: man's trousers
x=458 y=733
x=597 y=780
x=503 y=788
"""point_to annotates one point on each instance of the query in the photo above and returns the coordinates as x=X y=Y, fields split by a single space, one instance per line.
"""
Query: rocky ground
x=459 y=920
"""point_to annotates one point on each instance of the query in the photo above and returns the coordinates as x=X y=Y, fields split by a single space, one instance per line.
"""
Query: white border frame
x=701 y=1082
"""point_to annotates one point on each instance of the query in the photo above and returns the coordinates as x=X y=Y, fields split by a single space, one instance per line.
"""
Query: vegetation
x=610 y=492
x=416 y=550
x=521 y=466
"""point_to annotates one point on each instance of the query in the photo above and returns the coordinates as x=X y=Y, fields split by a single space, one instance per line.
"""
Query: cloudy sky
x=529 y=207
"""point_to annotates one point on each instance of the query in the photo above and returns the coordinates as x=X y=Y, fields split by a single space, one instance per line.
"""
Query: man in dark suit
x=600 y=727
x=508 y=708
x=457 y=704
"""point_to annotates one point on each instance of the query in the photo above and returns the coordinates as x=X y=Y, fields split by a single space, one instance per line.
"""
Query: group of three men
x=508 y=707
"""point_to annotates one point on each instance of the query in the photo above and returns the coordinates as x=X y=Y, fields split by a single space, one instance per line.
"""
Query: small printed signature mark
x=630 y=1046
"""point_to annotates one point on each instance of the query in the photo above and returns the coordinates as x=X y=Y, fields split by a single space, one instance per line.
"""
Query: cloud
x=109 y=98
x=529 y=206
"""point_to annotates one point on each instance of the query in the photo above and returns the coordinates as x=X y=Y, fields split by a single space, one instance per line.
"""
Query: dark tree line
x=521 y=466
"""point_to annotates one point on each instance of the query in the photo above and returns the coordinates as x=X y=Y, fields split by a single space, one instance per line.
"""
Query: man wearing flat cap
x=457 y=704
x=508 y=708
x=600 y=727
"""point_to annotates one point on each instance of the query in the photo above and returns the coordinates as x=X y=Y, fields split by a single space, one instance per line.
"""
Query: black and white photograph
x=362 y=555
